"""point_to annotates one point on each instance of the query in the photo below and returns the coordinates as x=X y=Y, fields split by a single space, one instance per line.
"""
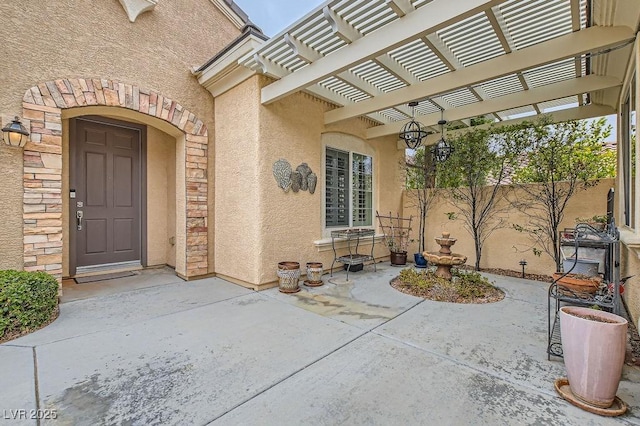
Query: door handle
x=79 y=215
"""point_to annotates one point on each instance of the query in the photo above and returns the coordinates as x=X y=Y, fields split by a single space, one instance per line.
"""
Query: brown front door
x=106 y=210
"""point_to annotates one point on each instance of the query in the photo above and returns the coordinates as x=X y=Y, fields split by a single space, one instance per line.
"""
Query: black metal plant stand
x=607 y=297
x=352 y=237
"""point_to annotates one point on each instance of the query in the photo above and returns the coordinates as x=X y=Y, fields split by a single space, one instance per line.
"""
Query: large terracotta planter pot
x=289 y=274
x=593 y=353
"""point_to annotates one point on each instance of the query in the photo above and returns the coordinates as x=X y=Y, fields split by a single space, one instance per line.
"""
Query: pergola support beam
x=400 y=7
x=576 y=113
x=301 y=50
x=539 y=94
x=424 y=20
x=588 y=40
x=340 y=27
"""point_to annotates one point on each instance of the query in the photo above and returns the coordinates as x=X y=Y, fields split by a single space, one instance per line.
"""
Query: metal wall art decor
x=282 y=173
x=312 y=181
x=304 y=171
x=300 y=179
x=296 y=181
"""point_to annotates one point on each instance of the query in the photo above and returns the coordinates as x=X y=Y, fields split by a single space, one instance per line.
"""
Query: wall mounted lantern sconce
x=413 y=132
x=442 y=150
x=14 y=133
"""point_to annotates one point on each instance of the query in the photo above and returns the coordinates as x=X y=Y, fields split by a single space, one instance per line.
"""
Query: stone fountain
x=444 y=259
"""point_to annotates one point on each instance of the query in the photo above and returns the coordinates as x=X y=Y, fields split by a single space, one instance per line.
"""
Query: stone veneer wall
x=42 y=181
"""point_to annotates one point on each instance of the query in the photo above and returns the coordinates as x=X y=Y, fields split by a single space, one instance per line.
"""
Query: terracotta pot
x=577 y=285
x=398 y=258
x=289 y=274
x=593 y=353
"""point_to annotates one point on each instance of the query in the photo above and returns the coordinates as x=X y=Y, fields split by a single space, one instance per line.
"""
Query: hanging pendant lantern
x=413 y=132
x=443 y=149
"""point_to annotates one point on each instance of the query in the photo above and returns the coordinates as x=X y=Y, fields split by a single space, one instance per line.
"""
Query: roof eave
x=223 y=72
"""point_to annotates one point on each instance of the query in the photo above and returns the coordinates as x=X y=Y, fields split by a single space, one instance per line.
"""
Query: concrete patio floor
x=152 y=349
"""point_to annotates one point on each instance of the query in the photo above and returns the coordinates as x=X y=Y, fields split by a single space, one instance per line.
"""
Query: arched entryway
x=43 y=106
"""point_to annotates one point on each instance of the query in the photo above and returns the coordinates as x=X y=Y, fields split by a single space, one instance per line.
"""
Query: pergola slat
x=551 y=91
x=588 y=40
x=423 y=20
x=576 y=113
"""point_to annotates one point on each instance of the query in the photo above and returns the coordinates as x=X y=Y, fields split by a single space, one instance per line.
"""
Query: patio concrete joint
x=35 y=380
x=289 y=376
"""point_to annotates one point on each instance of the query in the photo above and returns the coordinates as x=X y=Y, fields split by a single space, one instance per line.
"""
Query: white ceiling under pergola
x=502 y=59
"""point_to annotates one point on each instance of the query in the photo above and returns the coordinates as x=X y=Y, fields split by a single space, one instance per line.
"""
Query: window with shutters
x=348 y=189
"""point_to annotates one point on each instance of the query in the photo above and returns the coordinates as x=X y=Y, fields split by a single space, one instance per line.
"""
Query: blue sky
x=272 y=16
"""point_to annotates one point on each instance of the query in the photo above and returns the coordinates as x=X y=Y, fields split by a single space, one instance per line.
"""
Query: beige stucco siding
x=293 y=129
x=70 y=39
x=11 y=208
x=161 y=197
x=506 y=246
x=631 y=266
x=237 y=197
x=257 y=223
x=291 y=221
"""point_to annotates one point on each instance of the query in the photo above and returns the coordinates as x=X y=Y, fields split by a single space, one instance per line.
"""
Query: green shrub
x=423 y=278
x=465 y=287
x=27 y=301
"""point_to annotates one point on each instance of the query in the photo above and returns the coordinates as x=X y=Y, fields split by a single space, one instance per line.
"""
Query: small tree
x=421 y=192
x=563 y=158
x=474 y=173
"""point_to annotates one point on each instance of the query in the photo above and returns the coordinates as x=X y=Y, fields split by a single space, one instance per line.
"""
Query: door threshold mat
x=103 y=277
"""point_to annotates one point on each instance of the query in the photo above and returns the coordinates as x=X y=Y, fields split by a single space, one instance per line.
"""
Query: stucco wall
x=161 y=197
x=631 y=266
x=506 y=247
x=259 y=225
x=11 y=208
x=237 y=198
x=293 y=129
x=50 y=40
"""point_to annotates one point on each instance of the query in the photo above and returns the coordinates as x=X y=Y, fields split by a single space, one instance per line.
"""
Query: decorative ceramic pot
x=289 y=274
x=314 y=274
x=593 y=346
x=420 y=261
